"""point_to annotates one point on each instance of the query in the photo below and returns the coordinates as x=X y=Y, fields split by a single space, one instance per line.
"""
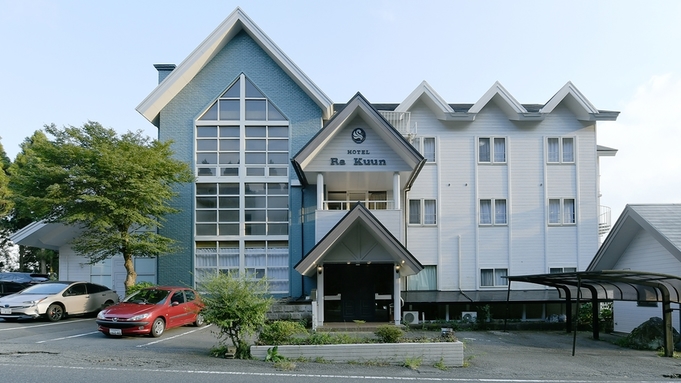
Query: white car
x=55 y=300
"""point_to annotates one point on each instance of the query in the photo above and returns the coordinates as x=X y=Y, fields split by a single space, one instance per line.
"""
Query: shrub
x=237 y=305
x=389 y=334
x=280 y=332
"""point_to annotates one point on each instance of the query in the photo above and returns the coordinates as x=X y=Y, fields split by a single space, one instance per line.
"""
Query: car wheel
x=54 y=312
x=158 y=327
x=200 y=320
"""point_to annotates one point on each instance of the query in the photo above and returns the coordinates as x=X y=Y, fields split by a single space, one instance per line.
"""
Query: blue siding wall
x=241 y=54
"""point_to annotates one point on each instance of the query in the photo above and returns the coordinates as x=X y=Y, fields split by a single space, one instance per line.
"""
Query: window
x=559 y=270
x=492 y=150
x=255 y=144
x=426 y=146
x=562 y=211
x=242 y=189
x=426 y=279
x=493 y=212
x=560 y=150
x=422 y=212
x=429 y=149
x=493 y=277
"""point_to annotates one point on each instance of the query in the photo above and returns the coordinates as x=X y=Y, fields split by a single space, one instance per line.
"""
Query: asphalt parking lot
x=519 y=356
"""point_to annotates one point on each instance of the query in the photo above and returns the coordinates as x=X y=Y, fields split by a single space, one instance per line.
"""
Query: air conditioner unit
x=469 y=316
x=410 y=317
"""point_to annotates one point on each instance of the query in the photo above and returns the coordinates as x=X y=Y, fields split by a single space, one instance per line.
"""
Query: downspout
x=302 y=238
x=458 y=237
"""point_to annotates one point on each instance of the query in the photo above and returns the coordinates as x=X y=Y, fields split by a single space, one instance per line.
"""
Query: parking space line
x=43 y=325
x=173 y=337
x=68 y=337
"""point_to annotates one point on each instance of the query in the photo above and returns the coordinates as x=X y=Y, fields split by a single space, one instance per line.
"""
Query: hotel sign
x=358 y=136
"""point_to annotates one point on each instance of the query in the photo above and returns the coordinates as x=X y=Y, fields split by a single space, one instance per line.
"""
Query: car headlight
x=101 y=314
x=33 y=303
x=140 y=317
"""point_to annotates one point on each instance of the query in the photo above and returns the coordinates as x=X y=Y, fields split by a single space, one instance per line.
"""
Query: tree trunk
x=131 y=277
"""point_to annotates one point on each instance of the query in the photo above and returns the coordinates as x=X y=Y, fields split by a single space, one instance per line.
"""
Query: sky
x=72 y=61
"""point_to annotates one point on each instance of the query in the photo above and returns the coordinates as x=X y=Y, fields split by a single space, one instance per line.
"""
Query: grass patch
x=440 y=365
x=413 y=363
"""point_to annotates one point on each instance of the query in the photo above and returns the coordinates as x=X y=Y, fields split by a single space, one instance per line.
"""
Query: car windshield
x=45 y=288
x=150 y=296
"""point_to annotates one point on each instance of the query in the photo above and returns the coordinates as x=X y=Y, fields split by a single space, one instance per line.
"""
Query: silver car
x=55 y=300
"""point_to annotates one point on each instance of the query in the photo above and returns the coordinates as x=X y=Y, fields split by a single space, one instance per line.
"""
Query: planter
x=450 y=353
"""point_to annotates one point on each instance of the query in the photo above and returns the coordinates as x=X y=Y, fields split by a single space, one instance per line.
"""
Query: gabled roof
x=359 y=214
x=516 y=111
x=578 y=104
x=513 y=109
x=661 y=221
x=359 y=105
x=430 y=97
x=204 y=53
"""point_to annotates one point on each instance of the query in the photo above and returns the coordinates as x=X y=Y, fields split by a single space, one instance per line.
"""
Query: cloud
x=647 y=168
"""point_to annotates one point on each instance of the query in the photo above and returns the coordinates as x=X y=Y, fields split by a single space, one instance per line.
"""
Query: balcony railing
x=603 y=220
x=400 y=121
x=347 y=205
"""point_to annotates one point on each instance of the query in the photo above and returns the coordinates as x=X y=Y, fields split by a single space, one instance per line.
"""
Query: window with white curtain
x=493 y=212
x=562 y=211
x=429 y=149
x=426 y=279
x=422 y=212
x=492 y=150
x=493 y=277
x=560 y=150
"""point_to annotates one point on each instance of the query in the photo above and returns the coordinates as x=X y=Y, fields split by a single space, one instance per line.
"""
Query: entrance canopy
x=362 y=239
x=621 y=285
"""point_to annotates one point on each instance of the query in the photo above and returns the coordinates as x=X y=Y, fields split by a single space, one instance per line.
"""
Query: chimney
x=163 y=70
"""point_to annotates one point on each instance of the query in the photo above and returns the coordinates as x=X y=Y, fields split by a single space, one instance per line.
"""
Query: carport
x=612 y=285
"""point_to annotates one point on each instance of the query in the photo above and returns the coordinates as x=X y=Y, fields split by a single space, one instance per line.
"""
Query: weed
x=413 y=363
x=273 y=355
x=440 y=364
x=285 y=365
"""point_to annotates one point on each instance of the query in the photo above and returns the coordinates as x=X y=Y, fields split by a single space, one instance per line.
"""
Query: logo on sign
x=359 y=135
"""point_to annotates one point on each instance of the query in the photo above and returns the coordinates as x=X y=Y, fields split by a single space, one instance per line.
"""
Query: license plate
x=115 y=331
x=5 y=311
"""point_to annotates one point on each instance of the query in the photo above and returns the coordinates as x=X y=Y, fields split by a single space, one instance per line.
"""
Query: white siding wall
x=644 y=253
x=628 y=315
x=527 y=245
x=72 y=267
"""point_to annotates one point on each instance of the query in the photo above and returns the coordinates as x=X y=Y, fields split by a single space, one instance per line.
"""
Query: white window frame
x=494 y=205
x=562 y=156
x=493 y=151
x=560 y=270
x=420 y=144
x=561 y=216
x=497 y=274
x=424 y=217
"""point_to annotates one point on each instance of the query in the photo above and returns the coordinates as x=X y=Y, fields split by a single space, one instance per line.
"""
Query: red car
x=152 y=310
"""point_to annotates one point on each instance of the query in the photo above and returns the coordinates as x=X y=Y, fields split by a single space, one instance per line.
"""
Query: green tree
x=116 y=189
x=5 y=200
x=237 y=305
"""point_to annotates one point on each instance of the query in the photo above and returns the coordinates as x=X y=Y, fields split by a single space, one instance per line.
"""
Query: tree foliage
x=5 y=200
x=116 y=189
x=237 y=305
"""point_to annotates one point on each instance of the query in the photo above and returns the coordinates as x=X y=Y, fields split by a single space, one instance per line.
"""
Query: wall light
x=319 y=269
x=397 y=269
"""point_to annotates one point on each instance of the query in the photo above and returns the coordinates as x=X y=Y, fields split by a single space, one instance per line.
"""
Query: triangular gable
x=359 y=106
x=575 y=101
x=661 y=221
x=213 y=44
x=511 y=107
x=359 y=214
x=429 y=96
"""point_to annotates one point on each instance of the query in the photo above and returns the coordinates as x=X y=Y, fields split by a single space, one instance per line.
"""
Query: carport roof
x=625 y=285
